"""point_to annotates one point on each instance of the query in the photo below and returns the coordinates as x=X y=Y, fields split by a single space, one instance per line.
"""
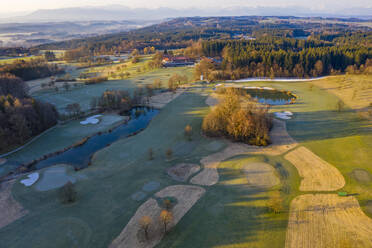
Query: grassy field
x=62 y=136
x=233 y=214
x=12 y=60
x=343 y=139
x=84 y=93
x=230 y=214
x=105 y=204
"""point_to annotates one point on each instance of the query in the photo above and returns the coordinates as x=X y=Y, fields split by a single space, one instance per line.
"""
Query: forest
x=181 y=32
x=279 y=57
x=31 y=69
x=21 y=117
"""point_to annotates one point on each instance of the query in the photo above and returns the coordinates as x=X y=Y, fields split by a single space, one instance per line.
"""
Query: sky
x=11 y=6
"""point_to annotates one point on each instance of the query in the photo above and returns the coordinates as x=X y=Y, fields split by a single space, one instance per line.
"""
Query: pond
x=80 y=156
x=270 y=96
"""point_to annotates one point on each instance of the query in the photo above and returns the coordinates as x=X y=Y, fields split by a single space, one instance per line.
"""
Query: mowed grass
x=104 y=204
x=233 y=214
x=12 y=60
x=62 y=136
x=343 y=139
x=84 y=93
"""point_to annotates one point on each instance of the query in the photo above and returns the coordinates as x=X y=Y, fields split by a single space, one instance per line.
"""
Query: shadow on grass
x=230 y=215
x=319 y=125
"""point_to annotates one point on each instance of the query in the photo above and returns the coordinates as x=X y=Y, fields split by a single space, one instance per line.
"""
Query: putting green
x=55 y=177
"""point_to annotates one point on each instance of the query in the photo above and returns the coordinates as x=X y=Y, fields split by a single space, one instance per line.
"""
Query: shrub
x=68 y=193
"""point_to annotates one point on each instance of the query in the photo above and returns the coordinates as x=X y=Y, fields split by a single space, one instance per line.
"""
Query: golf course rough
x=10 y=209
x=186 y=196
x=327 y=221
x=281 y=143
x=317 y=174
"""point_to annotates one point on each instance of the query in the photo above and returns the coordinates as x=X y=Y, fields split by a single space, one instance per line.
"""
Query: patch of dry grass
x=329 y=221
x=317 y=174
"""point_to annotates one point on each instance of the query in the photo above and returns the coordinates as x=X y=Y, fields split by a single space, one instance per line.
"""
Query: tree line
x=278 y=57
x=21 y=117
x=31 y=69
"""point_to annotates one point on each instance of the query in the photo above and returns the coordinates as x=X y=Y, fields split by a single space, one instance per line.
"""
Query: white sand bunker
x=32 y=178
x=54 y=178
x=286 y=115
x=261 y=175
x=91 y=120
x=151 y=186
x=181 y=172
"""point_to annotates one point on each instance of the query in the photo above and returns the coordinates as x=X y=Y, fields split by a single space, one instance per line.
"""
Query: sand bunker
x=329 y=221
x=286 y=115
x=151 y=186
x=54 y=178
x=10 y=210
x=31 y=179
x=261 y=175
x=181 y=172
x=281 y=143
x=132 y=236
x=317 y=174
x=91 y=120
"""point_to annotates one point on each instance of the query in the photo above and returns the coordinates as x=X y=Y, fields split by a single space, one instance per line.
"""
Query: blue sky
x=30 y=5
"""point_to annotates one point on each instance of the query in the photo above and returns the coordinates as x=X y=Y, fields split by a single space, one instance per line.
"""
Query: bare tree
x=151 y=154
x=188 y=132
x=145 y=223
x=169 y=153
x=166 y=218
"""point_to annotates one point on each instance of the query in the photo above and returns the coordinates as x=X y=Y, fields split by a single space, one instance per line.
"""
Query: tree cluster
x=31 y=69
x=248 y=123
x=21 y=117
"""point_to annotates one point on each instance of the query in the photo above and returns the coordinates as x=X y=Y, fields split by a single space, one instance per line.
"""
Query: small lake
x=79 y=156
x=271 y=96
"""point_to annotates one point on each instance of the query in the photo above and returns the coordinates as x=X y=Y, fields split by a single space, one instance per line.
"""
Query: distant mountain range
x=119 y=12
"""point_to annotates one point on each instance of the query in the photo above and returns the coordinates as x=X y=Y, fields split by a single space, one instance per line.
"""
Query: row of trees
x=21 y=117
x=278 y=57
x=31 y=69
x=250 y=123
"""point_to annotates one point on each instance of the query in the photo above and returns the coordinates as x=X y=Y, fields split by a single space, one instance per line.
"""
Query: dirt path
x=10 y=209
x=281 y=143
x=132 y=236
x=317 y=174
x=329 y=221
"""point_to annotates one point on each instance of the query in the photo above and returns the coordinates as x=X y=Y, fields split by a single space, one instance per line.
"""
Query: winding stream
x=79 y=156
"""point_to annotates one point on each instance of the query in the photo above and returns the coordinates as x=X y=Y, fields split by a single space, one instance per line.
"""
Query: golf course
x=274 y=196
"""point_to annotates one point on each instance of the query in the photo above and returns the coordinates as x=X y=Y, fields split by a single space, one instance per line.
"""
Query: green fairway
x=62 y=136
x=233 y=214
x=105 y=202
x=84 y=93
